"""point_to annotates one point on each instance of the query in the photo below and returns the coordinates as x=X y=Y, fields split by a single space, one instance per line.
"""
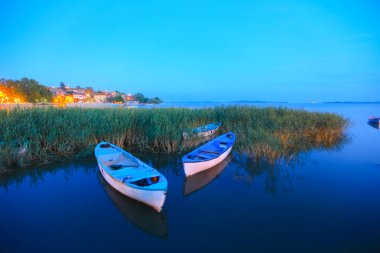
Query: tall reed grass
x=41 y=135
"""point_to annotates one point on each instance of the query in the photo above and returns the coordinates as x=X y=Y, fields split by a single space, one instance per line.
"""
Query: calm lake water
x=327 y=201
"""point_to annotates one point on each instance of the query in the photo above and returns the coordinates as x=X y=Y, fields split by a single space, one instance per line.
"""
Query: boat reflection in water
x=143 y=216
x=201 y=179
x=374 y=125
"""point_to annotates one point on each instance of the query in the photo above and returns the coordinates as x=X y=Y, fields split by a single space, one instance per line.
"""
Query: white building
x=99 y=97
x=79 y=96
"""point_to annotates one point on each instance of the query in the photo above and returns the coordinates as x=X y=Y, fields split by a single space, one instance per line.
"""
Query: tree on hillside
x=139 y=97
x=89 y=90
x=142 y=99
x=27 y=90
x=32 y=91
x=116 y=99
x=10 y=93
x=155 y=100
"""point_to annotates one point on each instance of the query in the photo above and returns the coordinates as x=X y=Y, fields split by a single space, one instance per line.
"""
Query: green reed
x=41 y=135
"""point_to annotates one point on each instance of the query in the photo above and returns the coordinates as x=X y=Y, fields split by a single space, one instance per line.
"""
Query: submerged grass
x=40 y=135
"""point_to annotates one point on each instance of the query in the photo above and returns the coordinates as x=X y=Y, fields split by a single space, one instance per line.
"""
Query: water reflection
x=200 y=180
x=276 y=178
x=36 y=174
x=137 y=213
x=377 y=126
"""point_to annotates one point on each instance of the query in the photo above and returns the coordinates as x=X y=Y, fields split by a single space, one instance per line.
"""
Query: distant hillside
x=352 y=102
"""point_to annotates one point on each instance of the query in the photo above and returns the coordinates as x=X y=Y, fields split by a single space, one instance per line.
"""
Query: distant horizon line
x=277 y=102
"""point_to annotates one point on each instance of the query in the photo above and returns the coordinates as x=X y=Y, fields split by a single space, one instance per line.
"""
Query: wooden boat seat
x=120 y=166
x=215 y=148
x=202 y=157
x=118 y=160
x=223 y=144
x=195 y=157
x=210 y=151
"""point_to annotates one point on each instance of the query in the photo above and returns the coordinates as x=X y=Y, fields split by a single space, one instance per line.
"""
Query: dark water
x=327 y=201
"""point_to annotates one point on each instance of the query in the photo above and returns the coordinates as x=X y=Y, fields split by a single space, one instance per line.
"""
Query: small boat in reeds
x=203 y=178
x=203 y=131
x=208 y=155
x=373 y=120
x=144 y=217
x=130 y=176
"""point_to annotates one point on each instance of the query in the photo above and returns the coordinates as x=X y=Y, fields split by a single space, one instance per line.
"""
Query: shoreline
x=105 y=105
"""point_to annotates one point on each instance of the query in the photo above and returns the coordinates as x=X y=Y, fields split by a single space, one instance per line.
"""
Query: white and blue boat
x=130 y=176
x=208 y=155
x=204 y=131
x=373 y=120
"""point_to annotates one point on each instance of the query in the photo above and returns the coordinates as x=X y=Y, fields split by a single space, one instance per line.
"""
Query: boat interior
x=211 y=150
x=115 y=159
x=208 y=127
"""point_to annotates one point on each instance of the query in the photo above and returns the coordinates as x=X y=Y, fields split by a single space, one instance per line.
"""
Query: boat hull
x=203 y=131
x=208 y=133
x=374 y=121
x=195 y=167
x=153 y=198
x=201 y=134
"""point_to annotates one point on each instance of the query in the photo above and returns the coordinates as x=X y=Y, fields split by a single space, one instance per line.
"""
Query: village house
x=65 y=94
x=99 y=97
x=79 y=96
x=128 y=97
x=58 y=92
x=109 y=93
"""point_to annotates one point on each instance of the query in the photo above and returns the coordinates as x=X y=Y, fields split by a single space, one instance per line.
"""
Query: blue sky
x=295 y=51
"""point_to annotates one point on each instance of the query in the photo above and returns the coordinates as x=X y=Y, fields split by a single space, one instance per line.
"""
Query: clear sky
x=295 y=51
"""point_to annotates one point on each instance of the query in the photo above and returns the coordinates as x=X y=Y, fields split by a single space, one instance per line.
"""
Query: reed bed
x=41 y=135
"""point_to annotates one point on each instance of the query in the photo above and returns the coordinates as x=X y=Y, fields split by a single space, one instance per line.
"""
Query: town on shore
x=28 y=90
